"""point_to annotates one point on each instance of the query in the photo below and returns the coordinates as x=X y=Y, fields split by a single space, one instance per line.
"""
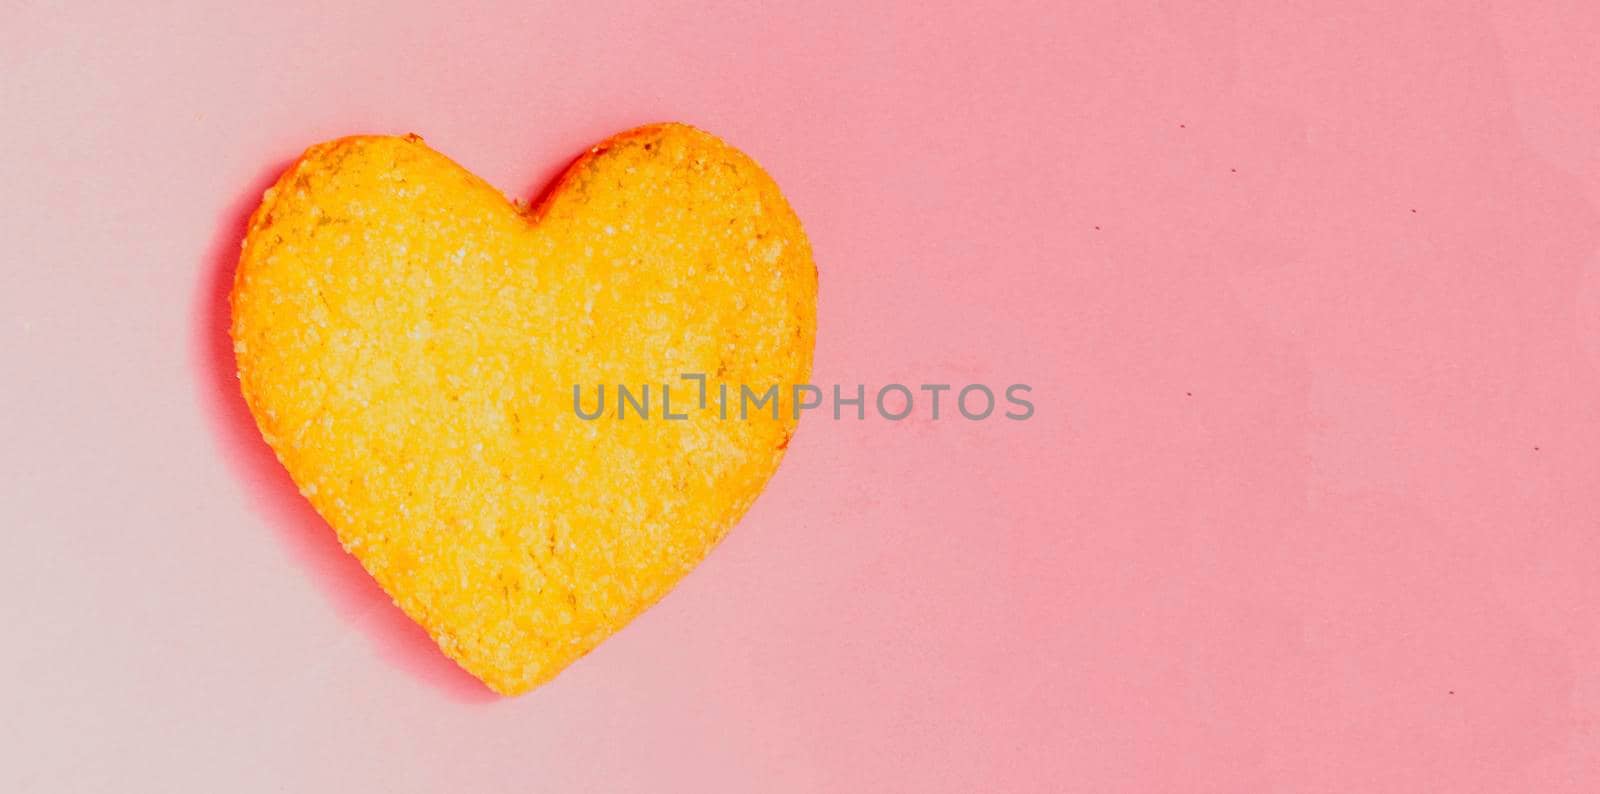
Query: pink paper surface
x=1307 y=294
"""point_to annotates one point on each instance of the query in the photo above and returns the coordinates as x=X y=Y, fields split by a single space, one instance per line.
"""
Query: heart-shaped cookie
x=411 y=345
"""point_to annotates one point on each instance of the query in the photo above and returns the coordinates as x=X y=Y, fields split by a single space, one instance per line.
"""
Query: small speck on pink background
x=1307 y=294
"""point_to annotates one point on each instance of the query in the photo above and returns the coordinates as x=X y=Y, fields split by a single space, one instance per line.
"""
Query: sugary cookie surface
x=409 y=341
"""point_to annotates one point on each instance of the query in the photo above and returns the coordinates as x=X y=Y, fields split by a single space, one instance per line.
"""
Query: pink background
x=1307 y=293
